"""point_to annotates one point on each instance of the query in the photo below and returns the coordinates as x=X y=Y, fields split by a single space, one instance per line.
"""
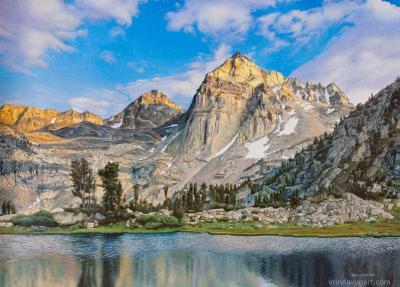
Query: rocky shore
x=329 y=212
x=332 y=211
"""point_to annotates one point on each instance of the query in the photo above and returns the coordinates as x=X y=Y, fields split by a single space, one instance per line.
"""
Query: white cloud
x=181 y=86
x=302 y=26
x=365 y=57
x=117 y=32
x=101 y=102
x=121 y=11
x=86 y=104
x=31 y=29
x=108 y=57
x=138 y=67
x=217 y=18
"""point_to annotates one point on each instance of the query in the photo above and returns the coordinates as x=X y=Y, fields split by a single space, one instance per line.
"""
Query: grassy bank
x=379 y=229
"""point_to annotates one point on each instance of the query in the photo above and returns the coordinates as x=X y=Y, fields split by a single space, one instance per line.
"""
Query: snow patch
x=172 y=126
x=289 y=127
x=276 y=88
x=225 y=148
x=53 y=120
x=177 y=134
x=117 y=125
x=278 y=127
x=307 y=107
x=169 y=141
x=291 y=113
x=329 y=111
x=257 y=148
x=327 y=96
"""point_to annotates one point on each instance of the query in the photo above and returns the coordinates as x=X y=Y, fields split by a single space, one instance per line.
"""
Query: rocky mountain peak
x=28 y=118
x=337 y=96
x=240 y=69
x=156 y=97
x=239 y=102
x=150 y=110
x=9 y=113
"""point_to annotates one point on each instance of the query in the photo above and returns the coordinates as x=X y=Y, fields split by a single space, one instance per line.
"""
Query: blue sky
x=99 y=55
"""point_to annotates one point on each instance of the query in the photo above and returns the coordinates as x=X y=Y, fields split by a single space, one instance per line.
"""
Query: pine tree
x=83 y=181
x=166 y=192
x=13 y=208
x=190 y=197
x=111 y=185
x=136 y=195
x=4 y=208
x=8 y=207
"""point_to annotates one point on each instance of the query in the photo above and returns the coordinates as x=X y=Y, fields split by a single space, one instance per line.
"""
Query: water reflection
x=193 y=260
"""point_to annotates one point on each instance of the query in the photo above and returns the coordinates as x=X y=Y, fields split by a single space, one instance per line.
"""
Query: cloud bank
x=30 y=30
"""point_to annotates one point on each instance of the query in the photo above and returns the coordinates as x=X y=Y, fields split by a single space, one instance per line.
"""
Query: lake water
x=196 y=260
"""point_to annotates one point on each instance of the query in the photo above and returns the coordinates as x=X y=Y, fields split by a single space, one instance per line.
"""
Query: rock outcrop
x=332 y=211
x=150 y=110
x=67 y=218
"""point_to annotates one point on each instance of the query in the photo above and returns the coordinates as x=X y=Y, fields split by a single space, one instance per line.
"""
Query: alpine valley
x=257 y=133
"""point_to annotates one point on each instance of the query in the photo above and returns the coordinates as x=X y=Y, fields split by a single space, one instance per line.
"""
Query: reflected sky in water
x=193 y=260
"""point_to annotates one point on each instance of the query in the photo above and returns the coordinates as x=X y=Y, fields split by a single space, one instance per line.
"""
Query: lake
x=184 y=259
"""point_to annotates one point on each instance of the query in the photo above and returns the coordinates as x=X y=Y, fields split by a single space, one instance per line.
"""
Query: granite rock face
x=239 y=102
x=362 y=155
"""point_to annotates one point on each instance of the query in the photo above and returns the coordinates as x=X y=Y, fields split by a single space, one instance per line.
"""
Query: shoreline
x=361 y=229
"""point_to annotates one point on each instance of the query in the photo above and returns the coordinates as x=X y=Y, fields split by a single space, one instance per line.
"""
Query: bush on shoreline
x=157 y=221
x=40 y=218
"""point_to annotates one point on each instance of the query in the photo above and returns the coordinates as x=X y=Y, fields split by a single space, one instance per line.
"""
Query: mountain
x=362 y=155
x=239 y=102
x=242 y=121
x=27 y=118
x=150 y=110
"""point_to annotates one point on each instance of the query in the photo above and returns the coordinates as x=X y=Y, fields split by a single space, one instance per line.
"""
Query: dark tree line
x=8 y=207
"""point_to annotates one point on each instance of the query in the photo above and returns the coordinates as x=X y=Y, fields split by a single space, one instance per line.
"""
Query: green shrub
x=40 y=218
x=178 y=212
x=157 y=221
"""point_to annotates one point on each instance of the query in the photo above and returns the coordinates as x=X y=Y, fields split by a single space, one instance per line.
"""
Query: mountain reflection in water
x=193 y=260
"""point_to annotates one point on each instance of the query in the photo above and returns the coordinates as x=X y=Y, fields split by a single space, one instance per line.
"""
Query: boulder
x=92 y=224
x=164 y=212
x=98 y=216
x=6 y=217
x=6 y=224
x=138 y=214
x=67 y=218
